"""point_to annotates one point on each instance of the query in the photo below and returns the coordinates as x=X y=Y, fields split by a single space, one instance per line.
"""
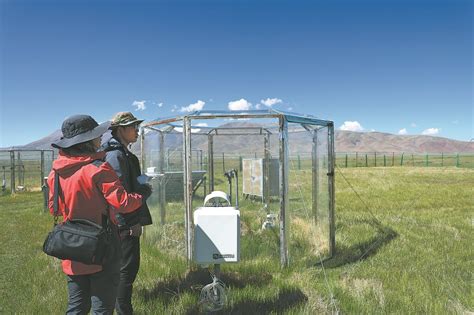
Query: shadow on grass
x=286 y=299
x=194 y=280
x=360 y=251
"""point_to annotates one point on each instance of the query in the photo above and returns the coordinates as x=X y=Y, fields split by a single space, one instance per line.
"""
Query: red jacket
x=88 y=190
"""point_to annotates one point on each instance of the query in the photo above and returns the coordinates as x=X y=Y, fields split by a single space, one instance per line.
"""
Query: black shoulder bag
x=79 y=239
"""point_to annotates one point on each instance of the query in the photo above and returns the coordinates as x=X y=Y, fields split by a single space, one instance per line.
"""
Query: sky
x=396 y=66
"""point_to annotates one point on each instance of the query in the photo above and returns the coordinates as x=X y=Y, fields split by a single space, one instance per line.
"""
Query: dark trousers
x=128 y=273
x=98 y=290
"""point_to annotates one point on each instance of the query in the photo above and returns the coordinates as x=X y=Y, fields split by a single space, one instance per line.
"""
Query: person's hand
x=144 y=190
x=136 y=230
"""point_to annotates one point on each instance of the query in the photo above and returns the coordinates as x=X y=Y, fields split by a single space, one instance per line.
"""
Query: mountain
x=299 y=141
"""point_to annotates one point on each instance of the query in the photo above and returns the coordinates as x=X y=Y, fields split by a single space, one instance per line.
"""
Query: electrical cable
x=213 y=296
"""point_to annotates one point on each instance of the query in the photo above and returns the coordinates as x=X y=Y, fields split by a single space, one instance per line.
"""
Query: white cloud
x=139 y=104
x=431 y=131
x=193 y=107
x=290 y=108
x=271 y=101
x=402 y=131
x=175 y=108
x=413 y=125
x=241 y=104
x=201 y=125
x=160 y=104
x=373 y=130
x=351 y=126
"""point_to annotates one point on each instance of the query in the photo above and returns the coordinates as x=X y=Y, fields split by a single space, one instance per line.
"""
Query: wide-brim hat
x=78 y=129
x=124 y=119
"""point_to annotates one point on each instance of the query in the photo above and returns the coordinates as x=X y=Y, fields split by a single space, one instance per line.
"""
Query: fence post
x=375 y=155
x=393 y=158
x=20 y=170
x=357 y=155
x=4 y=180
x=426 y=160
x=42 y=168
x=299 y=162
x=413 y=159
x=223 y=162
x=12 y=171
x=240 y=163
x=401 y=160
x=384 y=161
x=366 y=161
x=442 y=159
x=457 y=160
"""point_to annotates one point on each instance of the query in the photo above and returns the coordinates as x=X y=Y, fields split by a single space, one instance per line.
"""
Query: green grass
x=405 y=247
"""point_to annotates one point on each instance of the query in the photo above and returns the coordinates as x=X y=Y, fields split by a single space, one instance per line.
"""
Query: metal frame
x=16 y=161
x=310 y=123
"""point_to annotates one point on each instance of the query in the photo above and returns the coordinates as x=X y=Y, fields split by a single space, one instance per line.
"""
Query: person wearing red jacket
x=90 y=188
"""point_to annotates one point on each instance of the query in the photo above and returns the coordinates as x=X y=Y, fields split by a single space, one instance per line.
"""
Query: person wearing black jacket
x=125 y=128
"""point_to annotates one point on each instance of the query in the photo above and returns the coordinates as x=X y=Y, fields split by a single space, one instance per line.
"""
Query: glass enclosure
x=276 y=167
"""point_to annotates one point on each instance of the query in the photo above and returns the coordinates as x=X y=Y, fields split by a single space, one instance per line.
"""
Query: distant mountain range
x=300 y=141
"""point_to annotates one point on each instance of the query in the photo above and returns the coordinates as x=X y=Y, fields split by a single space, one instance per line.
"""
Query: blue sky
x=390 y=66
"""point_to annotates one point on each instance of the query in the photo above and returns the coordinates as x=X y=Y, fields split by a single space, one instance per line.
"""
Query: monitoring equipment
x=216 y=231
x=217 y=240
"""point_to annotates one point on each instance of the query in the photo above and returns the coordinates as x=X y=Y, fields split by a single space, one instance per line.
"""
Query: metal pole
x=283 y=190
x=210 y=159
x=162 y=178
x=12 y=171
x=223 y=163
x=142 y=160
x=188 y=187
x=142 y=149
x=236 y=190
x=42 y=168
x=266 y=169
x=332 y=191
x=315 y=190
x=20 y=171
x=200 y=160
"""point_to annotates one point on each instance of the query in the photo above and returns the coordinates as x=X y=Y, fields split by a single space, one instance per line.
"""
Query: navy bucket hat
x=79 y=128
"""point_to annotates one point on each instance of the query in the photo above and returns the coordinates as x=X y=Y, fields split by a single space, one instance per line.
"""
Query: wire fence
x=302 y=161
x=224 y=161
x=23 y=170
x=26 y=169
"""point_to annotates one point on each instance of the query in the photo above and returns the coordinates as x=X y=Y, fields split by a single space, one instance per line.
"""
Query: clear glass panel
x=164 y=163
x=244 y=155
x=308 y=214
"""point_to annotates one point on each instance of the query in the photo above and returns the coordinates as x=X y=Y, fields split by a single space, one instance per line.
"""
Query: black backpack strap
x=56 y=197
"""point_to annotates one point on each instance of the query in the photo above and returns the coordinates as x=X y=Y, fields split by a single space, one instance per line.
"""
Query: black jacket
x=127 y=167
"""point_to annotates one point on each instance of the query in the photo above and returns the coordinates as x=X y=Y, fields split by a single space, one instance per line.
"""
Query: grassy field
x=403 y=247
